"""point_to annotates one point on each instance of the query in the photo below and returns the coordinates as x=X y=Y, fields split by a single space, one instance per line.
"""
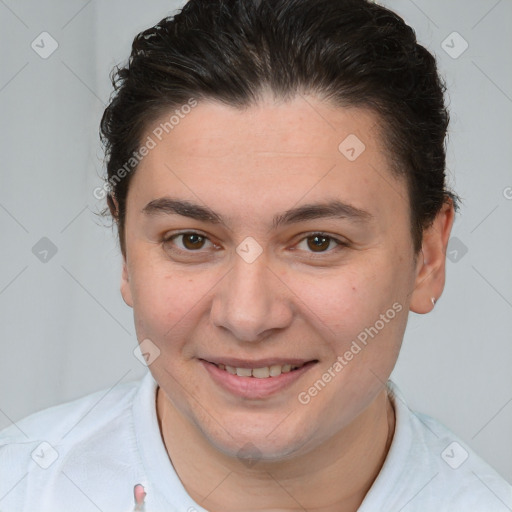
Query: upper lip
x=256 y=363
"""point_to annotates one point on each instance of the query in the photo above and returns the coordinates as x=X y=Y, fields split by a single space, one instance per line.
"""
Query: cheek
x=163 y=302
x=364 y=304
x=336 y=301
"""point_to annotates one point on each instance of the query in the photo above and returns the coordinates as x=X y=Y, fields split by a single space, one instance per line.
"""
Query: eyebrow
x=330 y=209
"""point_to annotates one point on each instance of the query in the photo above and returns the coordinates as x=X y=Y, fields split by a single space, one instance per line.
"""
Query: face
x=297 y=253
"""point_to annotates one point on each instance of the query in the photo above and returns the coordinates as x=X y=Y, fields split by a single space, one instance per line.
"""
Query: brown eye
x=318 y=242
x=192 y=241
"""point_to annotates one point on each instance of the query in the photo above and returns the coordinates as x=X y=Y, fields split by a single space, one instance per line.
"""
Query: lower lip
x=252 y=387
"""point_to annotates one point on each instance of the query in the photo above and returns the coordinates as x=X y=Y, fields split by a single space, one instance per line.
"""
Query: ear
x=126 y=291
x=113 y=205
x=431 y=264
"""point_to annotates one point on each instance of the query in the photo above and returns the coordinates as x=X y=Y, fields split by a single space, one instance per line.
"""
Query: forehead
x=303 y=127
x=273 y=153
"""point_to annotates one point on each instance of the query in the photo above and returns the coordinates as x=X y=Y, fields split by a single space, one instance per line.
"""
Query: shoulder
x=465 y=477
x=429 y=467
x=73 y=419
x=38 y=447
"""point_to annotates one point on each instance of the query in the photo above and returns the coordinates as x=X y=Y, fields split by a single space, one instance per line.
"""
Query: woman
x=276 y=171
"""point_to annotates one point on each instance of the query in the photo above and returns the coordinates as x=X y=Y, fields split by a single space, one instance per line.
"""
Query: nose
x=252 y=301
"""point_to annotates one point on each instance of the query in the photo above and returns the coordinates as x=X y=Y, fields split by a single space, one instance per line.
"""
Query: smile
x=259 y=373
x=256 y=379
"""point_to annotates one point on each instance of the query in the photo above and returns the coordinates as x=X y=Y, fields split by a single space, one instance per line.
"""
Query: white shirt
x=88 y=454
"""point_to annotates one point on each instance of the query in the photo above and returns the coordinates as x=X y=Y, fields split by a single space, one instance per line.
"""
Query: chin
x=250 y=445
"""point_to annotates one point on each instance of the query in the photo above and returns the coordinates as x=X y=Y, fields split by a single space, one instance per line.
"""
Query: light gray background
x=65 y=330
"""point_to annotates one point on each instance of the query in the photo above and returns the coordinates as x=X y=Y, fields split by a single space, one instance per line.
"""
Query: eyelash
x=340 y=243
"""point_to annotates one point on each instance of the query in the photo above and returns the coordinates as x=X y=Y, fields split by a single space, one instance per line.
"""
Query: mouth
x=258 y=371
x=256 y=379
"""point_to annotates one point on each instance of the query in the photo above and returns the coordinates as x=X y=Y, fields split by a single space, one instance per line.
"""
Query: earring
x=433 y=299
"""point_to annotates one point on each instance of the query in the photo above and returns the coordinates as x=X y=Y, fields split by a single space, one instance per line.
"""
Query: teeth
x=275 y=370
x=244 y=372
x=259 y=373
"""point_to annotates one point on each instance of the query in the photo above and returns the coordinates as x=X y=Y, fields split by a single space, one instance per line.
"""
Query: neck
x=334 y=477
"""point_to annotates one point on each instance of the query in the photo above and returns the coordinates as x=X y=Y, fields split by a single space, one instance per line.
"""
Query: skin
x=249 y=166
